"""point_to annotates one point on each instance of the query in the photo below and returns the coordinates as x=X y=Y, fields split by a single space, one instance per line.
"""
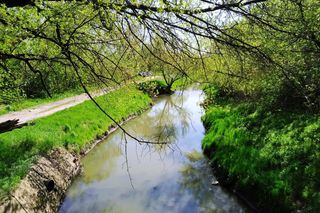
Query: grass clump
x=72 y=128
x=273 y=157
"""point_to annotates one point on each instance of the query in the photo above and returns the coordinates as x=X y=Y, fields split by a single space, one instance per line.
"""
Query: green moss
x=275 y=156
x=71 y=128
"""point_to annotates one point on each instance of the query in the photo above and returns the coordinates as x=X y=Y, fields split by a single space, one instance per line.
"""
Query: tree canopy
x=251 y=47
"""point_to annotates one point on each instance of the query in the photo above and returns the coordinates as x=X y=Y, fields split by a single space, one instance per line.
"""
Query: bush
x=154 y=87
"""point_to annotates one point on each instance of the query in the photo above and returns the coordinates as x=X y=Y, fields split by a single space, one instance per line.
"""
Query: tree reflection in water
x=165 y=123
x=197 y=178
x=106 y=163
x=163 y=178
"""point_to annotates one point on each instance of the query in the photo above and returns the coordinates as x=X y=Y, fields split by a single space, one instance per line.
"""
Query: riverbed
x=123 y=175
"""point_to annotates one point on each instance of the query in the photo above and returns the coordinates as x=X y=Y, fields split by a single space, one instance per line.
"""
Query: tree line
x=262 y=49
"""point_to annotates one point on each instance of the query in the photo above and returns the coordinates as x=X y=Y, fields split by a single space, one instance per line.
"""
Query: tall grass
x=273 y=156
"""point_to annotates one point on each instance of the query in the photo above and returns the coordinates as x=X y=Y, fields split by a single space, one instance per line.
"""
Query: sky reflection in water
x=173 y=178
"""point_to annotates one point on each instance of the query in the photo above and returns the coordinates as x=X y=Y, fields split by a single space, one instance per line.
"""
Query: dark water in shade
x=136 y=178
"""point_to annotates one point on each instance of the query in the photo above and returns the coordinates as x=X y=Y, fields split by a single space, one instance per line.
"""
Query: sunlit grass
x=277 y=154
x=71 y=128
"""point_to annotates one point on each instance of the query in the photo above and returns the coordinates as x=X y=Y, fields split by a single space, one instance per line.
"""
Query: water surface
x=121 y=175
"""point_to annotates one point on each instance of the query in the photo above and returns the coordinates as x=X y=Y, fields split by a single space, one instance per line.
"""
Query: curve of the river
x=121 y=175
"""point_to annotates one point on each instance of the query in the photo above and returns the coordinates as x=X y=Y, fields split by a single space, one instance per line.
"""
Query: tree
x=91 y=39
x=286 y=32
x=78 y=30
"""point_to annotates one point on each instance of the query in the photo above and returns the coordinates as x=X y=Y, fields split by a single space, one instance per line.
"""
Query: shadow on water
x=126 y=176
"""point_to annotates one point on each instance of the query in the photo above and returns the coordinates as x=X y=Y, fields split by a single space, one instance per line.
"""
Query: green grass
x=272 y=156
x=71 y=128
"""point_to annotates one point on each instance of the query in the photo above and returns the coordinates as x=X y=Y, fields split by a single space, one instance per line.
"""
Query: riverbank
x=72 y=129
x=269 y=157
x=44 y=187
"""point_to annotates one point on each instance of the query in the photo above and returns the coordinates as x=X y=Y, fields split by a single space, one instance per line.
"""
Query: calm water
x=122 y=176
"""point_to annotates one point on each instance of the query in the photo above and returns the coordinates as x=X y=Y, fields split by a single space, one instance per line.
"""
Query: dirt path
x=49 y=108
x=53 y=107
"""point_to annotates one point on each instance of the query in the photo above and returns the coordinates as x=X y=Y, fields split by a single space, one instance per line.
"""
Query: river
x=122 y=175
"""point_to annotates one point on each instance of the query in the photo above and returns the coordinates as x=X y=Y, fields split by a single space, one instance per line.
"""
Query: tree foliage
x=287 y=33
x=50 y=40
x=257 y=48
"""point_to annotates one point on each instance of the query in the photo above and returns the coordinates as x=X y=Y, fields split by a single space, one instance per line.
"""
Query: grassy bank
x=72 y=128
x=273 y=158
